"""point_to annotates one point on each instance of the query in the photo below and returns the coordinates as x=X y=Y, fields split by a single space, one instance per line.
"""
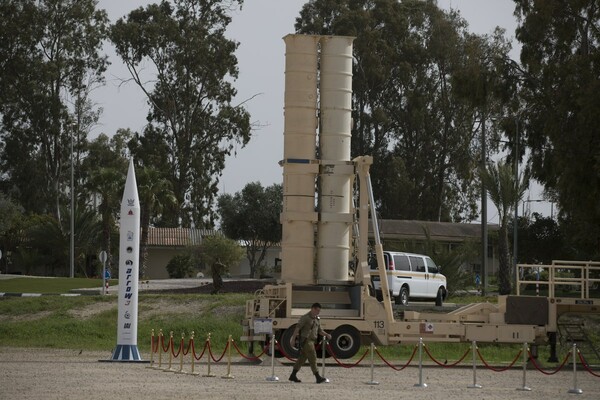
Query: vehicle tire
x=345 y=341
x=439 y=298
x=402 y=298
x=292 y=352
x=268 y=349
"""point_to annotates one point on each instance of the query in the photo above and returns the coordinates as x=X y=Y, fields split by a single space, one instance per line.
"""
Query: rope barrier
x=163 y=344
x=251 y=358
x=446 y=365
x=194 y=350
x=284 y=353
x=586 y=365
x=536 y=365
x=341 y=363
x=394 y=367
x=178 y=351
x=499 y=369
x=157 y=344
x=222 y=355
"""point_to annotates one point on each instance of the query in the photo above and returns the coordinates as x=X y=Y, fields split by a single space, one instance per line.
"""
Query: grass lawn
x=49 y=285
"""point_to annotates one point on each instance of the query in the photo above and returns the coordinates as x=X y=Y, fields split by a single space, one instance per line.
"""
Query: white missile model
x=129 y=250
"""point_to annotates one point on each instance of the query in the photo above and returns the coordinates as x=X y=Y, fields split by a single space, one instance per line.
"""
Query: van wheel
x=439 y=299
x=345 y=341
x=402 y=298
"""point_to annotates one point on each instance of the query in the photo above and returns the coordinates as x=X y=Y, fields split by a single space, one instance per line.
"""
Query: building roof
x=177 y=237
x=439 y=231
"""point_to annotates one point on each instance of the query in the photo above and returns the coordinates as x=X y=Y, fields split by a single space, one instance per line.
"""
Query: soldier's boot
x=320 y=379
x=293 y=377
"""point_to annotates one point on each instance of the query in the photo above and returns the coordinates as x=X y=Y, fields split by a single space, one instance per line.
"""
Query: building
x=165 y=243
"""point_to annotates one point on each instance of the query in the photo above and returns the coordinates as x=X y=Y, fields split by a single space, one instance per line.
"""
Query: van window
x=417 y=264
x=431 y=267
x=401 y=262
x=373 y=261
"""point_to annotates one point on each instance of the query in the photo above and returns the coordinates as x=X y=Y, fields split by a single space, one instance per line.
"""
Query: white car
x=410 y=276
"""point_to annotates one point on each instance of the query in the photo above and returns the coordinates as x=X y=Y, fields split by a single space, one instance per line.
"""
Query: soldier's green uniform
x=308 y=328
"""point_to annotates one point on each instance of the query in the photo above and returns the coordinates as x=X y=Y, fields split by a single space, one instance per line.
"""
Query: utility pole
x=484 y=228
x=516 y=221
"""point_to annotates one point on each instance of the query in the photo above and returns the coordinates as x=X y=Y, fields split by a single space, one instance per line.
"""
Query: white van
x=410 y=276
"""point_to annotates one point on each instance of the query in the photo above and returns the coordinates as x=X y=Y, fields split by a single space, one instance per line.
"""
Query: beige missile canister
x=337 y=170
x=299 y=165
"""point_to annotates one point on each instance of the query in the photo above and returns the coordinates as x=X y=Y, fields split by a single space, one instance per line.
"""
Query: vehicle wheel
x=439 y=298
x=292 y=352
x=345 y=341
x=403 y=296
x=268 y=349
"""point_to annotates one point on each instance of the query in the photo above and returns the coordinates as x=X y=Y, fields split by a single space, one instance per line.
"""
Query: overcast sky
x=259 y=27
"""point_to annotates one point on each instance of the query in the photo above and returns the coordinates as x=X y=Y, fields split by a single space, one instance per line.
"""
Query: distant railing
x=581 y=277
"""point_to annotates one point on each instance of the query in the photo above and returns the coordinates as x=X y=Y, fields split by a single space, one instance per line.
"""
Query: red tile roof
x=177 y=237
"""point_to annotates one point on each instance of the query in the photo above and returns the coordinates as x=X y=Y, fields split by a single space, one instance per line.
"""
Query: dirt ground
x=67 y=374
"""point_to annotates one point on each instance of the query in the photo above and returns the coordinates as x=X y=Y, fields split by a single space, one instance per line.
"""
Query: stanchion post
x=170 y=349
x=272 y=378
x=575 y=389
x=151 y=350
x=525 y=359
x=323 y=356
x=181 y=355
x=421 y=383
x=192 y=354
x=372 y=381
x=159 y=349
x=475 y=385
x=208 y=374
x=229 y=345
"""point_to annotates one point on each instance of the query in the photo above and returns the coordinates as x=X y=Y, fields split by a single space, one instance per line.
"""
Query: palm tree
x=108 y=183
x=504 y=191
x=156 y=193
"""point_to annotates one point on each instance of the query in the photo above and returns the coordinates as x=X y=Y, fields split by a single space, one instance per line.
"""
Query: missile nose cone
x=130 y=193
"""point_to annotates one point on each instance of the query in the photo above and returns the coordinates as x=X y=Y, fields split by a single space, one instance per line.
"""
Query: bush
x=180 y=266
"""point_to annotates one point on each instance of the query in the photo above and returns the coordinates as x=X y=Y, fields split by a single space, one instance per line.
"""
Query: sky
x=259 y=28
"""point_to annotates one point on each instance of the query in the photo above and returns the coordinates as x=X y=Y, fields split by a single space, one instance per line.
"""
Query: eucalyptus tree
x=410 y=109
x=252 y=217
x=189 y=93
x=51 y=58
x=561 y=81
x=505 y=191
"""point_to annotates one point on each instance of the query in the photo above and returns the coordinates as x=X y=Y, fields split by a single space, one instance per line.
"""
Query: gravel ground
x=67 y=374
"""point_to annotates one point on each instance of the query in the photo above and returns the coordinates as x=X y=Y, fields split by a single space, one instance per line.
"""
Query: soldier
x=309 y=327
x=217 y=269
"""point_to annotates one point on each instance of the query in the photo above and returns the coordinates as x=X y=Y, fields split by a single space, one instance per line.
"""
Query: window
x=401 y=262
x=431 y=267
x=417 y=264
x=373 y=261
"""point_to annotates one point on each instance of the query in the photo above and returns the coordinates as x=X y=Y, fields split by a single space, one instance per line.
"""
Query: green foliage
x=181 y=266
x=540 y=240
x=418 y=83
x=505 y=190
x=51 y=59
x=252 y=216
x=192 y=120
x=219 y=248
x=561 y=79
